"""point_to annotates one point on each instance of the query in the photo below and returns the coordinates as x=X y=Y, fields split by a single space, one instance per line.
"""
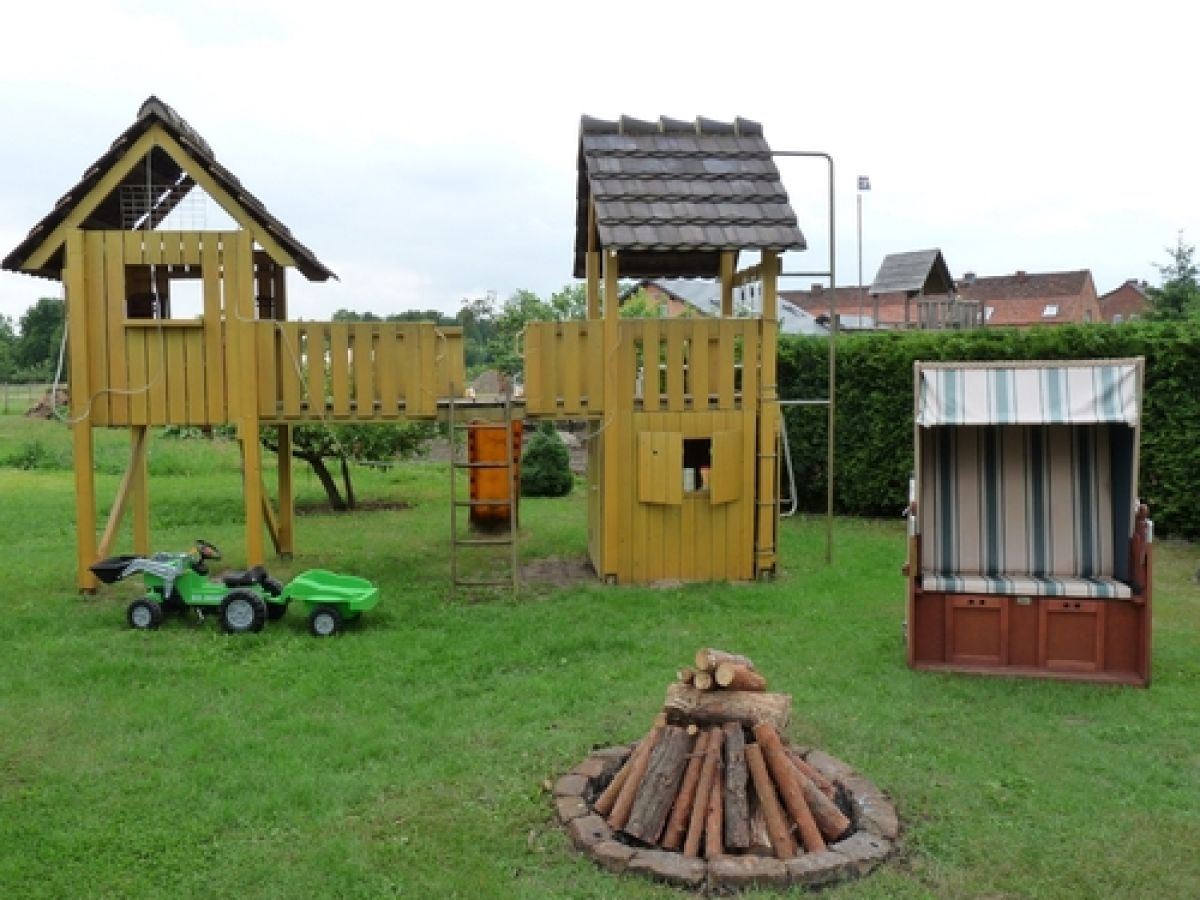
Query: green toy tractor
x=243 y=600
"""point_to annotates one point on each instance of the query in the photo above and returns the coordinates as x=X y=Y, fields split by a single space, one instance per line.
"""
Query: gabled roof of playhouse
x=160 y=141
x=914 y=272
x=671 y=195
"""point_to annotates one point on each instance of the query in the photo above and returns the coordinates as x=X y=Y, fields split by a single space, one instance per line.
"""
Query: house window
x=987 y=313
x=1050 y=311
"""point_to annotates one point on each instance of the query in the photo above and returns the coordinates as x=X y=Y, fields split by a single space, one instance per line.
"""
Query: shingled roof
x=164 y=170
x=671 y=195
x=913 y=272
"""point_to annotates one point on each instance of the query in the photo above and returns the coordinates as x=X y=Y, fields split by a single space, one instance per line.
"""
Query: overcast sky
x=426 y=151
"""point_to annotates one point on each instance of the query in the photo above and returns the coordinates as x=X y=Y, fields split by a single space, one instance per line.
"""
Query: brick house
x=1125 y=303
x=1033 y=298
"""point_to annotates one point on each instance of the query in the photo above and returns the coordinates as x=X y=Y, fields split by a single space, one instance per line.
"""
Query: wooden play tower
x=683 y=418
x=683 y=481
x=138 y=360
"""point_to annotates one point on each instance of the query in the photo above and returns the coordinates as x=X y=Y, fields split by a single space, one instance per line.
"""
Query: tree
x=546 y=465
x=36 y=350
x=8 y=342
x=1179 y=296
x=343 y=444
x=642 y=305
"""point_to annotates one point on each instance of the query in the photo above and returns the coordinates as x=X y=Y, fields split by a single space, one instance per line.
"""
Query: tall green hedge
x=875 y=408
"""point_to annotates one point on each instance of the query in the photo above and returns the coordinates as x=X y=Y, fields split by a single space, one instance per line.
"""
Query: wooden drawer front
x=1071 y=635
x=977 y=630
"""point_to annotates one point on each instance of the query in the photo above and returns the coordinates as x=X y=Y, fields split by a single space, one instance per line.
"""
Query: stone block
x=863 y=851
x=741 y=872
x=612 y=855
x=570 y=786
x=829 y=766
x=570 y=808
x=591 y=768
x=673 y=868
x=873 y=811
x=815 y=869
x=587 y=831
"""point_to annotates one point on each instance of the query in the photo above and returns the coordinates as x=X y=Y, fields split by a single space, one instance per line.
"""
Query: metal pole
x=860 y=284
x=833 y=333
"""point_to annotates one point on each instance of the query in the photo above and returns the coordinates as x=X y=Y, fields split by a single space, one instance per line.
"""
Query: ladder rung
x=482 y=465
x=483 y=582
x=481 y=503
x=482 y=542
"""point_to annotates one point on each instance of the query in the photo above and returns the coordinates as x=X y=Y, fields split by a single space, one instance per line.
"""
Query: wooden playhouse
x=130 y=244
x=683 y=414
x=1029 y=552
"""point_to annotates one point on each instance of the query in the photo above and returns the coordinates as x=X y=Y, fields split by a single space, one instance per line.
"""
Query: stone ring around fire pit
x=874 y=818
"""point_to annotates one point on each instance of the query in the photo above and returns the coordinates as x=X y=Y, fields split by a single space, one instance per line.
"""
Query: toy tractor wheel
x=325 y=621
x=242 y=611
x=144 y=614
x=276 y=611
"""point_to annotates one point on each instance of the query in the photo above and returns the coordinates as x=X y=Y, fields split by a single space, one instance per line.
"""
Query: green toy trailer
x=243 y=600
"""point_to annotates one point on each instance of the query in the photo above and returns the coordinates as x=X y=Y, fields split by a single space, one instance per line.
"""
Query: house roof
x=913 y=272
x=671 y=195
x=163 y=168
x=705 y=297
x=1033 y=298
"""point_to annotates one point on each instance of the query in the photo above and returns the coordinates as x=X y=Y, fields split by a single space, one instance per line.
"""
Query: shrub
x=546 y=465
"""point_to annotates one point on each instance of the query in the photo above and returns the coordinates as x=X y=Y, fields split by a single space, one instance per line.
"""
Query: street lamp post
x=864 y=184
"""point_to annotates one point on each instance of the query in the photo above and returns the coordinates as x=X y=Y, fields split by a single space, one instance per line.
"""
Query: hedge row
x=874 y=434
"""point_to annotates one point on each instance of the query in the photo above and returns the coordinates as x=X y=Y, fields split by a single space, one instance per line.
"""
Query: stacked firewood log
x=714 y=777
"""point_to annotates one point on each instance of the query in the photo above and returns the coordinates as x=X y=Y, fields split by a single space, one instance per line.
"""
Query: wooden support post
x=727 y=274
x=139 y=490
x=611 y=495
x=767 y=493
x=82 y=446
x=269 y=518
x=287 y=497
x=124 y=490
x=592 y=266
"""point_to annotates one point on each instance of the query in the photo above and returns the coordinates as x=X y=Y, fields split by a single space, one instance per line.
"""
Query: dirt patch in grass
x=558 y=571
x=322 y=508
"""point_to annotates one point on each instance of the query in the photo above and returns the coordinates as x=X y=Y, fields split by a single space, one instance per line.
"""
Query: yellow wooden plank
x=111 y=245
x=234 y=379
x=726 y=274
x=316 y=354
x=139 y=491
x=650 y=352
x=339 y=367
x=451 y=365
x=698 y=364
x=364 y=371
x=574 y=347
x=287 y=502
x=252 y=489
x=189 y=252
x=551 y=387
x=616 y=444
x=594 y=377
x=386 y=369
x=726 y=340
x=175 y=376
x=97 y=326
x=214 y=353
x=193 y=363
x=624 y=446
x=290 y=369
x=749 y=417
x=677 y=334
x=239 y=285
x=172 y=248
x=536 y=334
x=81 y=429
x=135 y=250
x=139 y=379
x=725 y=477
x=152 y=248
x=156 y=368
x=428 y=369
x=267 y=351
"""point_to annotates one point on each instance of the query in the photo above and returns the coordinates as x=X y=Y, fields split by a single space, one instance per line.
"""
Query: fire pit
x=712 y=797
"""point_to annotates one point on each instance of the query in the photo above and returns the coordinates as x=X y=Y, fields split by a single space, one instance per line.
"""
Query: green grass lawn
x=408 y=756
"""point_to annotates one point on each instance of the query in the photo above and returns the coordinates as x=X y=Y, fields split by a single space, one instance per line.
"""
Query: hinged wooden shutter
x=725 y=478
x=660 y=467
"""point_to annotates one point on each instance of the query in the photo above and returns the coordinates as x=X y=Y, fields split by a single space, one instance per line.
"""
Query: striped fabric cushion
x=1027 y=584
x=1017 y=500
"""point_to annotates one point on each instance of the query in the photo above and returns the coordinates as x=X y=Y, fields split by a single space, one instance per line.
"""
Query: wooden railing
x=672 y=365
x=357 y=371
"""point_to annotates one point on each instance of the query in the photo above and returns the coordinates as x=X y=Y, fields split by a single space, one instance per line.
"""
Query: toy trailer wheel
x=144 y=614
x=325 y=621
x=242 y=611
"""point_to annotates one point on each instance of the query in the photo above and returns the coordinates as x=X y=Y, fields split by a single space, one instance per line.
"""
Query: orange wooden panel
x=976 y=630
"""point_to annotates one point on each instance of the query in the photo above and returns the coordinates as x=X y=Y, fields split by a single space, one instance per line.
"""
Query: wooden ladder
x=492 y=544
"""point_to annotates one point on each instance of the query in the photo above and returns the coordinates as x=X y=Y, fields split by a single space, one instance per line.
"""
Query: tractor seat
x=244 y=578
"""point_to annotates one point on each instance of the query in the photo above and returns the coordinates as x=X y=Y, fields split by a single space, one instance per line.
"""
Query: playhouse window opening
x=697 y=463
x=163 y=292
